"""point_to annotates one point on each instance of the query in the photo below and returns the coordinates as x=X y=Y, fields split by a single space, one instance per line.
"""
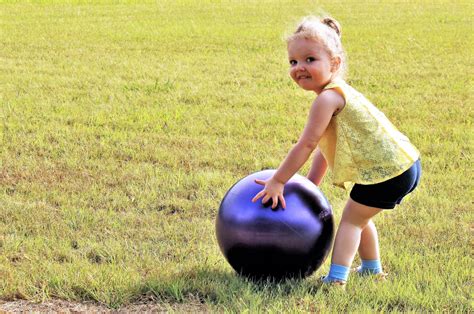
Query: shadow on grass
x=219 y=287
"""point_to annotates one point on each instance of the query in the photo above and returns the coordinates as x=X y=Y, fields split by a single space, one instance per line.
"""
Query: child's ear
x=335 y=64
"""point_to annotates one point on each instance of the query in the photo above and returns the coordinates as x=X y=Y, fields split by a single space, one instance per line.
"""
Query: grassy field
x=124 y=123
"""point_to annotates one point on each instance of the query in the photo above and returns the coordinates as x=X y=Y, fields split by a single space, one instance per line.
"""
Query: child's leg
x=369 y=243
x=348 y=238
x=369 y=251
x=354 y=218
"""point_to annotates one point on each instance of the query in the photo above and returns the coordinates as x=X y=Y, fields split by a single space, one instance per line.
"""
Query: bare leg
x=354 y=219
x=369 y=243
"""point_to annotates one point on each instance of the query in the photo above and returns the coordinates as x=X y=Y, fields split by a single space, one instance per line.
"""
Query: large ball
x=260 y=242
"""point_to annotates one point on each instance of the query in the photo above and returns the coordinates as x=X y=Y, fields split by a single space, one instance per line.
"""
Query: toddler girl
x=353 y=138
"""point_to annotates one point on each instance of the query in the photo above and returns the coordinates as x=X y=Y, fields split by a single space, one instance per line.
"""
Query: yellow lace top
x=360 y=144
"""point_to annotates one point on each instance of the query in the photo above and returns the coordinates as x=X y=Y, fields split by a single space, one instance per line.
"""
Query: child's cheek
x=293 y=76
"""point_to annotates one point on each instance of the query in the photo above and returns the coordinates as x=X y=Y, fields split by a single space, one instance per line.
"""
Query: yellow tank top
x=361 y=145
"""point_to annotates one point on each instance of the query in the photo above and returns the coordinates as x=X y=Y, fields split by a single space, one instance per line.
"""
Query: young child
x=353 y=138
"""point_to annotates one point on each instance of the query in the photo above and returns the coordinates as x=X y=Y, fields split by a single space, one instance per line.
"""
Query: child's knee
x=358 y=214
x=355 y=221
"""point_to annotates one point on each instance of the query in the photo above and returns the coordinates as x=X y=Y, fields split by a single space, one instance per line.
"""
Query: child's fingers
x=265 y=198
x=261 y=182
x=275 y=201
x=259 y=194
x=282 y=200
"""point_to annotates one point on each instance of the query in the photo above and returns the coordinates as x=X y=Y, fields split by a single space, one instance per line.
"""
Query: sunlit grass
x=123 y=125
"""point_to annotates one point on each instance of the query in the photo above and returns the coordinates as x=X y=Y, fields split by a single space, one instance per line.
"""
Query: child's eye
x=292 y=62
x=310 y=59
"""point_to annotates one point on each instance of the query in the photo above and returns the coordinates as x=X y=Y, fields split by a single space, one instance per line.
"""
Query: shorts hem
x=381 y=205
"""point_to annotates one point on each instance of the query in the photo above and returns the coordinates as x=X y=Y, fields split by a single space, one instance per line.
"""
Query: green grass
x=123 y=124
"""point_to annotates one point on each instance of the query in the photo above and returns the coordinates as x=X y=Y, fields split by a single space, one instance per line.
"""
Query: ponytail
x=332 y=23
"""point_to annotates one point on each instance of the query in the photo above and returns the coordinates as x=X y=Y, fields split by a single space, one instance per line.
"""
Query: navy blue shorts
x=389 y=193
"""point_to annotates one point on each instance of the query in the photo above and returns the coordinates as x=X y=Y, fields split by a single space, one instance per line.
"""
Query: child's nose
x=300 y=67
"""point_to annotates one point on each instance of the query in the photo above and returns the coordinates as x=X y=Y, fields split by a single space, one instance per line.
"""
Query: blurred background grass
x=124 y=123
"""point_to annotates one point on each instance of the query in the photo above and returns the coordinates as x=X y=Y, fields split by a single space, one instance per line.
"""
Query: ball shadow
x=212 y=286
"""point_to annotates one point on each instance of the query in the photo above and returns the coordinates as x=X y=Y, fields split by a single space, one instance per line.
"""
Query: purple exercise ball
x=260 y=242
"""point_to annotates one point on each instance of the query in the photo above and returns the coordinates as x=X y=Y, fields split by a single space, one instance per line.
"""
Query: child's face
x=310 y=64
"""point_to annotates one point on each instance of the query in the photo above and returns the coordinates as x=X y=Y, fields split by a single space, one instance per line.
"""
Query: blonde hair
x=326 y=31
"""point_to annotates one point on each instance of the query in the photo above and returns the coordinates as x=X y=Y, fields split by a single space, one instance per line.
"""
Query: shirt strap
x=337 y=85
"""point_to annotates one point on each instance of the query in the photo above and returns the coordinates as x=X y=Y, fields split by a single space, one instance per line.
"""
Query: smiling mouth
x=304 y=77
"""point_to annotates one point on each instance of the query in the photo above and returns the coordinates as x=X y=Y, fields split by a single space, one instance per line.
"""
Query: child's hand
x=273 y=190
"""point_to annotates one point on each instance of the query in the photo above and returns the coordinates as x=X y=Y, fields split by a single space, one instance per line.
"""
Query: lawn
x=124 y=123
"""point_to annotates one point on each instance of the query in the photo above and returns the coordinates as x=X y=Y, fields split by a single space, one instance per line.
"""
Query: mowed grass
x=124 y=123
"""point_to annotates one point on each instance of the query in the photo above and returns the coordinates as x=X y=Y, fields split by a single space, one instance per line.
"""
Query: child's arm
x=318 y=169
x=320 y=115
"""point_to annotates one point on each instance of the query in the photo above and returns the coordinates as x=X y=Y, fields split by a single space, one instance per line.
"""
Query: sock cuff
x=371 y=264
x=339 y=272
